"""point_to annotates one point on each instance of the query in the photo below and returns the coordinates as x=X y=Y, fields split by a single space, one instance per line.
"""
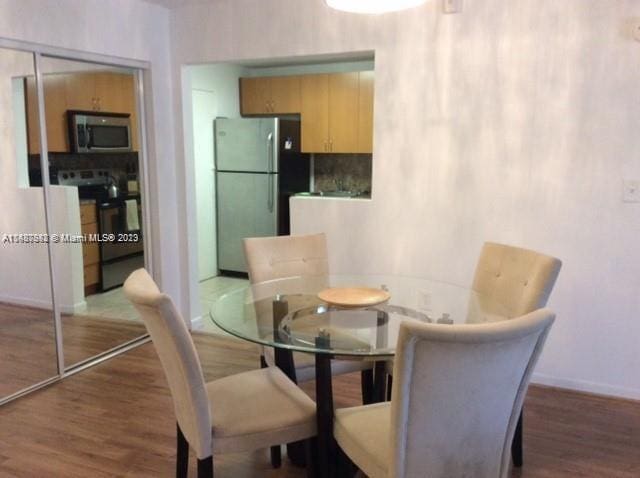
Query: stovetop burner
x=83 y=177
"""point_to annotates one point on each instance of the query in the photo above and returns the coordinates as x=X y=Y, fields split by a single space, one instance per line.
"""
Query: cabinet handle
x=331 y=145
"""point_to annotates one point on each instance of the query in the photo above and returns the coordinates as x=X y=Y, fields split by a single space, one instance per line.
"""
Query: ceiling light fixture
x=373 y=6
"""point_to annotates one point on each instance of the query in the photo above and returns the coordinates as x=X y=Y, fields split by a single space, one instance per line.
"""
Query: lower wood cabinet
x=90 y=250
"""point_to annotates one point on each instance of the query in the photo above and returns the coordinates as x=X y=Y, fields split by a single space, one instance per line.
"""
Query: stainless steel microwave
x=99 y=132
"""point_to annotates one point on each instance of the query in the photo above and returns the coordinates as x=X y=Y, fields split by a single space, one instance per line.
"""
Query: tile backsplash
x=344 y=172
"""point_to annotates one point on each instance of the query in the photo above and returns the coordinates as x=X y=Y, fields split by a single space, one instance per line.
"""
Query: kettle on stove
x=112 y=188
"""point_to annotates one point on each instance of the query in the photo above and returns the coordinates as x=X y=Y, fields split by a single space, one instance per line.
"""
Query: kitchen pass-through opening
x=260 y=132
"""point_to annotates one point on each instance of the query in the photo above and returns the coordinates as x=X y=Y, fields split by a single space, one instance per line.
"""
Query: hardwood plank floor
x=116 y=420
x=27 y=342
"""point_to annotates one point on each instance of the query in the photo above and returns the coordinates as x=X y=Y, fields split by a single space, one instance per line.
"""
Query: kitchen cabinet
x=269 y=95
x=336 y=109
x=365 y=112
x=90 y=250
x=314 y=113
x=343 y=112
x=55 y=114
x=329 y=113
x=92 y=91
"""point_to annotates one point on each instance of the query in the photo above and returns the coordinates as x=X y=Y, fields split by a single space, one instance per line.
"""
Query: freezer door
x=247 y=207
x=246 y=144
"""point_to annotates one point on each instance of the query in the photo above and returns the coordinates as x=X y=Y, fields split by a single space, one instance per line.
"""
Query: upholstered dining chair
x=520 y=281
x=279 y=257
x=457 y=393
x=220 y=416
x=516 y=281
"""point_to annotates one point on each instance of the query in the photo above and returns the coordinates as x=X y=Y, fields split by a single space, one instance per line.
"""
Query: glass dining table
x=288 y=315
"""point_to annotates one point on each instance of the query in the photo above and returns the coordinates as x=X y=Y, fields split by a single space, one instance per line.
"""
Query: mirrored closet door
x=73 y=217
x=28 y=354
x=96 y=199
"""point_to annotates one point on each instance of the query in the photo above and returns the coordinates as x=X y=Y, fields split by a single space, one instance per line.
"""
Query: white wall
x=130 y=30
x=24 y=275
x=513 y=121
x=214 y=92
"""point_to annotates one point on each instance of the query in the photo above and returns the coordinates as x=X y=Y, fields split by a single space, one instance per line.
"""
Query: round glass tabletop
x=287 y=313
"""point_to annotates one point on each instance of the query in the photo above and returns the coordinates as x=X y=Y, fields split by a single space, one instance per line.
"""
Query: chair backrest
x=178 y=356
x=279 y=257
x=457 y=395
x=520 y=280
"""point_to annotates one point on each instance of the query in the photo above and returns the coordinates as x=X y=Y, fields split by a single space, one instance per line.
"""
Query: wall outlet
x=631 y=190
x=452 y=6
x=424 y=300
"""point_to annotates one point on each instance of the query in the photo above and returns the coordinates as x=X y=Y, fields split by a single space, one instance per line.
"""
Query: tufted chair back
x=457 y=394
x=278 y=257
x=519 y=279
x=178 y=356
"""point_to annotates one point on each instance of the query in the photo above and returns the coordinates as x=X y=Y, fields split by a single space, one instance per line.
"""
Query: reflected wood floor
x=27 y=342
x=116 y=420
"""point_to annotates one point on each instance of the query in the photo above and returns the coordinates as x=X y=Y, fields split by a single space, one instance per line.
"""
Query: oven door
x=113 y=220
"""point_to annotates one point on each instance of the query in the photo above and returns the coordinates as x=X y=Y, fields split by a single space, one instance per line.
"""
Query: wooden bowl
x=354 y=297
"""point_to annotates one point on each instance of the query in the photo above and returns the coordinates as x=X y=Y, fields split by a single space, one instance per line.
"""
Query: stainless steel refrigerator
x=258 y=167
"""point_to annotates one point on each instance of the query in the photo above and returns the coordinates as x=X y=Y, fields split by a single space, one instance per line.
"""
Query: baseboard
x=586 y=386
x=27 y=302
x=197 y=323
x=40 y=304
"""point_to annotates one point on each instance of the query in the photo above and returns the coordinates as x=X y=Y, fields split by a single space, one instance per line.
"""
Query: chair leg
x=182 y=458
x=345 y=467
x=205 y=467
x=389 y=387
x=276 y=456
x=276 y=452
x=310 y=448
x=516 y=444
x=366 y=384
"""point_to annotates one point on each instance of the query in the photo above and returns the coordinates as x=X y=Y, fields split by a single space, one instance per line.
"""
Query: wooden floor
x=116 y=419
x=27 y=342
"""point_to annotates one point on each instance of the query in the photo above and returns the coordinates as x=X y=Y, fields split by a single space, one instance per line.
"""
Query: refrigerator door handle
x=270 y=199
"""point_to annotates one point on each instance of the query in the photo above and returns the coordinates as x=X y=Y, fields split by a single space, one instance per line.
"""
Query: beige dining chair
x=514 y=281
x=518 y=281
x=242 y=412
x=279 y=257
x=457 y=394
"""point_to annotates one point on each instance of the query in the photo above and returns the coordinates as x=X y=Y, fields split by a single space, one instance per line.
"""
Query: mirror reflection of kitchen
x=95 y=170
x=263 y=132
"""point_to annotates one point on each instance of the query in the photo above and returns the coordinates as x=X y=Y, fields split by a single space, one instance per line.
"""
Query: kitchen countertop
x=334 y=195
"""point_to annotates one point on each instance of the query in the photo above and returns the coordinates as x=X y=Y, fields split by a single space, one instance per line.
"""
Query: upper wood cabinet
x=314 y=94
x=94 y=91
x=365 y=112
x=343 y=112
x=270 y=95
x=336 y=109
x=337 y=113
